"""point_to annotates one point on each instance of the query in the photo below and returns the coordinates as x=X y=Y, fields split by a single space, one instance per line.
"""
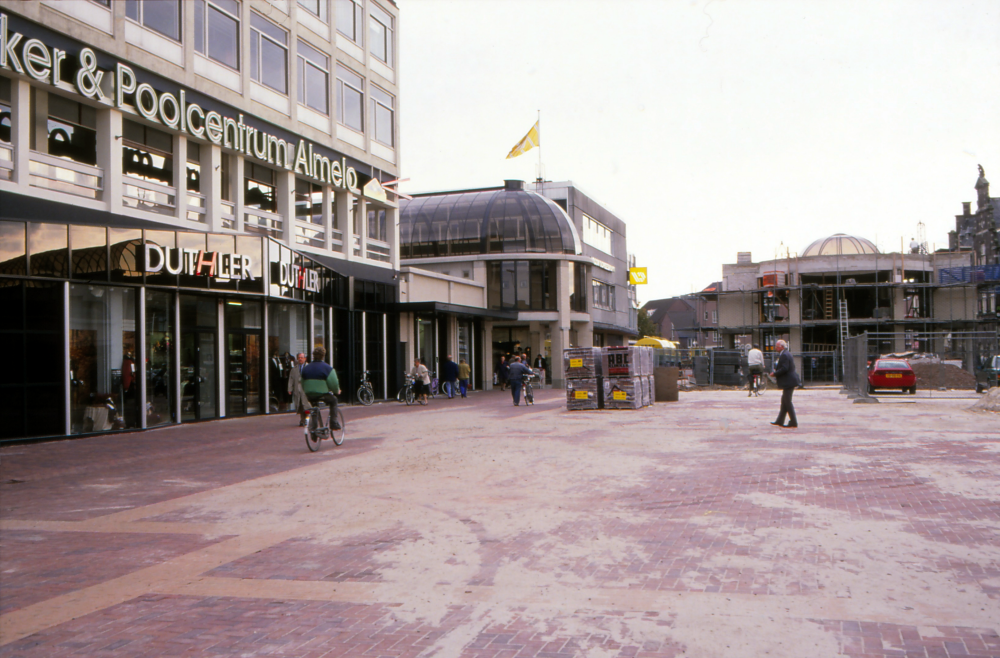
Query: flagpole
x=539 y=123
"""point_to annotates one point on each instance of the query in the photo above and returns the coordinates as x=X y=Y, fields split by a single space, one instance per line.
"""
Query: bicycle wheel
x=529 y=396
x=312 y=439
x=434 y=387
x=409 y=396
x=338 y=435
x=365 y=395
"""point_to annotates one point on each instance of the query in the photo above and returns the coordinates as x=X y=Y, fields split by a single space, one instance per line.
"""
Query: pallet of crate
x=583 y=368
x=628 y=374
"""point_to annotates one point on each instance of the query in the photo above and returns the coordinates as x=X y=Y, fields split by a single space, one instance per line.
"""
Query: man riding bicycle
x=755 y=362
x=320 y=384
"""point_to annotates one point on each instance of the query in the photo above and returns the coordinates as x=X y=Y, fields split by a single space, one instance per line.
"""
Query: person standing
x=449 y=375
x=422 y=379
x=787 y=379
x=502 y=371
x=463 y=376
x=517 y=372
x=755 y=364
x=295 y=388
x=539 y=366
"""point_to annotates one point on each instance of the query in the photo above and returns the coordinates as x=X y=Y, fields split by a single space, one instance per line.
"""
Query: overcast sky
x=712 y=127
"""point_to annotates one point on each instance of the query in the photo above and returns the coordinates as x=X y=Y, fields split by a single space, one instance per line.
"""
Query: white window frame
x=303 y=62
x=376 y=103
x=141 y=21
x=324 y=12
x=206 y=6
x=597 y=235
x=256 y=34
x=387 y=24
x=341 y=84
x=357 y=21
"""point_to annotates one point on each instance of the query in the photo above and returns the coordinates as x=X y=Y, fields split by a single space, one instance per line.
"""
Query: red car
x=891 y=373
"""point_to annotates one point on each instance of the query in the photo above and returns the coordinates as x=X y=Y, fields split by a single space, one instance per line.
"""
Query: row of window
x=596 y=234
x=217 y=36
x=217 y=24
x=603 y=295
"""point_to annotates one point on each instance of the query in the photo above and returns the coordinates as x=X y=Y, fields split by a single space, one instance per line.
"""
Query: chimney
x=966 y=208
x=513 y=185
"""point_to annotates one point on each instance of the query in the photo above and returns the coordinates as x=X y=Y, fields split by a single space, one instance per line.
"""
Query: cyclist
x=755 y=361
x=320 y=384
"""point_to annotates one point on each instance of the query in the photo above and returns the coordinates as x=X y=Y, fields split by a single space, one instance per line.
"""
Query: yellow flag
x=530 y=141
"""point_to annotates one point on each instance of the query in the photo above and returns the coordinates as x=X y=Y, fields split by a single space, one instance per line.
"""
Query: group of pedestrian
x=454 y=378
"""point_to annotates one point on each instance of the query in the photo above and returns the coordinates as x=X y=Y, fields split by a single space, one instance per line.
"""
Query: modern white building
x=190 y=193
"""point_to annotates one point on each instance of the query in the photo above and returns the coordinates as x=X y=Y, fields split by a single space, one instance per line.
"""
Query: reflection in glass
x=159 y=358
x=12 y=249
x=288 y=334
x=90 y=252
x=48 y=249
x=102 y=349
x=126 y=245
x=199 y=322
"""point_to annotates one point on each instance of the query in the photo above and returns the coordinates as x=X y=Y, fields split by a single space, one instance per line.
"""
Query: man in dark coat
x=517 y=373
x=449 y=375
x=787 y=379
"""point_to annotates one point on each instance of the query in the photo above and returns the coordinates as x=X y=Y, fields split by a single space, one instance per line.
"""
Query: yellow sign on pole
x=637 y=276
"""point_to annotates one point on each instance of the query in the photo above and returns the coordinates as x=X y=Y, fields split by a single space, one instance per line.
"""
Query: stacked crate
x=622 y=383
x=583 y=367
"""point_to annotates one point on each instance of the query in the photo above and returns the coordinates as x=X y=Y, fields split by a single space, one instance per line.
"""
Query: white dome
x=840 y=244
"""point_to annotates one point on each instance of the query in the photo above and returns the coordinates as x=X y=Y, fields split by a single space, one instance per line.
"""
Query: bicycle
x=434 y=385
x=317 y=428
x=756 y=384
x=366 y=393
x=528 y=391
x=406 y=393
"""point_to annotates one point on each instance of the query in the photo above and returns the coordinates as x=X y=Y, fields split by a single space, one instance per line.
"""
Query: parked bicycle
x=434 y=385
x=318 y=427
x=366 y=393
x=528 y=390
x=408 y=392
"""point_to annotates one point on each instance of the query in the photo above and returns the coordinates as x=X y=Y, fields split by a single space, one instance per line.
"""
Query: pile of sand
x=989 y=402
x=936 y=375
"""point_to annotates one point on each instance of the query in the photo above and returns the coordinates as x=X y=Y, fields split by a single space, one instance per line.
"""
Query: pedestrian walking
x=517 y=372
x=463 y=376
x=787 y=379
x=449 y=376
x=295 y=388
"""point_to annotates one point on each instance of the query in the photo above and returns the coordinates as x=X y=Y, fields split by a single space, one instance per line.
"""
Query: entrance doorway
x=199 y=338
x=244 y=339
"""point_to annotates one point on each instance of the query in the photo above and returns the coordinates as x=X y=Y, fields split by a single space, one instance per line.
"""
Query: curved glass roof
x=486 y=222
x=840 y=244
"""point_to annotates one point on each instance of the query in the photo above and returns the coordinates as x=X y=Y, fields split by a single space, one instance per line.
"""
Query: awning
x=453 y=309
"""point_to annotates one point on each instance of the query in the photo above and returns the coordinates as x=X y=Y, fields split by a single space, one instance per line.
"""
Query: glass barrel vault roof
x=484 y=222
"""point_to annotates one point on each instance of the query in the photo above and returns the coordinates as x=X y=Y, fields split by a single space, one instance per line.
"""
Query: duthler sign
x=197 y=262
x=119 y=87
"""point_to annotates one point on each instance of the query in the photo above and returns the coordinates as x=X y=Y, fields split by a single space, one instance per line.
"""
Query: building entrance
x=243 y=372
x=199 y=341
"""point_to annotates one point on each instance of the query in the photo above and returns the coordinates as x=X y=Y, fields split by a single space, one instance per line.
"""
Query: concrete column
x=109 y=156
x=40 y=136
x=363 y=225
x=392 y=230
x=286 y=206
x=327 y=218
x=486 y=358
x=237 y=176
x=560 y=331
x=585 y=333
x=20 y=133
x=180 y=176
x=211 y=185
x=342 y=221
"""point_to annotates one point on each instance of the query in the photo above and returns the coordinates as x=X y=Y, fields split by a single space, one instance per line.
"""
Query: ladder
x=827 y=304
x=844 y=334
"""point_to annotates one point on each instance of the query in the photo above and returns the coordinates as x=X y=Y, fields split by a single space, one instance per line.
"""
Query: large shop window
x=287 y=335
x=380 y=34
x=314 y=78
x=382 y=116
x=104 y=385
x=268 y=54
x=350 y=19
x=261 y=190
x=521 y=285
x=159 y=358
x=31 y=331
x=217 y=31
x=72 y=130
x=163 y=16
x=350 y=99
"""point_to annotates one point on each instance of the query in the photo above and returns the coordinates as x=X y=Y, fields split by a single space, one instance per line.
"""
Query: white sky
x=712 y=127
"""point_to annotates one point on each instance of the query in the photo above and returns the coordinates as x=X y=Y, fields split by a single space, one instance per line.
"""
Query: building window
x=147 y=153
x=308 y=202
x=193 y=166
x=521 y=284
x=715 y=317
x=603 y=295
x=260 y=190
x=380 y=35
x=350 y=99
x=72 y=130
x=382 y=116
x=268 y=54
x=349 y=19
x=315 y=7
x=376 y=225
x=596 y=234
x=163 y=16
x=314 y=78
x=217 y=31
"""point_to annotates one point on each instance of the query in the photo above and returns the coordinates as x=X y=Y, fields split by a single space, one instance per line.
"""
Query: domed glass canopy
x=840 y=244
x=499 y=221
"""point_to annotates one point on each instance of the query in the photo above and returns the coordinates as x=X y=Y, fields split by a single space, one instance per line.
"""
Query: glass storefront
x=116 y=329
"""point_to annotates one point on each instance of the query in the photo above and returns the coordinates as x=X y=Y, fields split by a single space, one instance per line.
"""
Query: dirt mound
x=936 y=375
x=990 y=401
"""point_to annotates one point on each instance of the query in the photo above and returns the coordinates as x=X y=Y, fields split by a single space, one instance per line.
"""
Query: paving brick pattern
x=746 y=514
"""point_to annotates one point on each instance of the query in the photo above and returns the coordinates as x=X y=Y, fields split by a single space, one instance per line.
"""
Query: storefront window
x=13 y=259
x=126 y=245
x=102 y=352
x=159 y=358
x=90 y=252
x=48 y=249
x=319 y=328
x=287 y=335
x=374 y=346
x=167 y=240
x=199 y=354
x=425 y=349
